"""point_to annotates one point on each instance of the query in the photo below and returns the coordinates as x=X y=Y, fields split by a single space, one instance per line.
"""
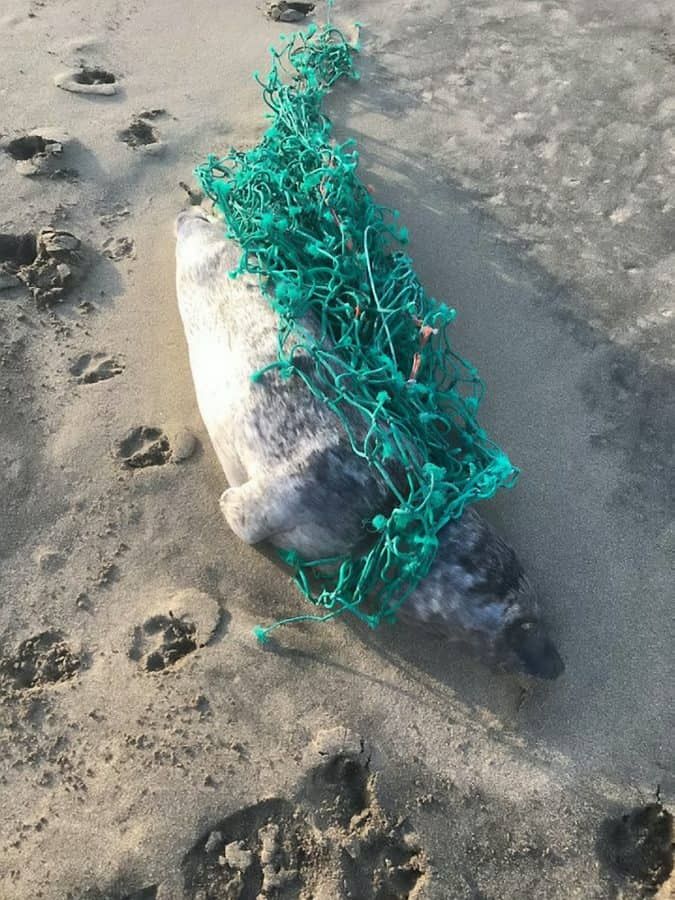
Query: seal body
x=295 y=481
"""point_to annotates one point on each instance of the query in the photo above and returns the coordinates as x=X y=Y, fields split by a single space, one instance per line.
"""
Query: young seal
x=295 y=481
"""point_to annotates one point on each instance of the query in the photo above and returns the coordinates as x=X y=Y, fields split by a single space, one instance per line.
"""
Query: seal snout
x=188 y=216
x=535 y=653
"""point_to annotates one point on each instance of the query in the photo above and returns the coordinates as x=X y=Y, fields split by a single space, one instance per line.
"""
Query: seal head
x=477 y=591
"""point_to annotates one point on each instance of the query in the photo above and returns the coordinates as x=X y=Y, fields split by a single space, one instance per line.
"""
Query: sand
x=148 y=747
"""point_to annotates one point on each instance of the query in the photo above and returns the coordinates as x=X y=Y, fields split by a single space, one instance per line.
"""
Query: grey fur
x=295 y=481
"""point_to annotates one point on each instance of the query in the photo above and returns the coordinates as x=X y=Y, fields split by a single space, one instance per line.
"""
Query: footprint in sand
x=639 y=845
x=162 y=640
x=48 y=263
x=144 y=446
x=332 y=841
x=38 y=153
x=16 y=252
x=289 y=11
x=93 y=367
x=119 y=248
x=147 y=445
x=140 y=135
x=42 y=659
x=187 y=620
x=87 y=80
x=338 y=789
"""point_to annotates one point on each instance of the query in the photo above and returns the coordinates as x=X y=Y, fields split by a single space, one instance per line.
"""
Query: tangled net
x=321 y=246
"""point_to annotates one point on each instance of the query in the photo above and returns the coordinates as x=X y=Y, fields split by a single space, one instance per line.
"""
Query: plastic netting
x=322 y=246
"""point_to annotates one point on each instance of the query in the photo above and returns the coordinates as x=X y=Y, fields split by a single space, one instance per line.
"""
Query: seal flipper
x=277 y=509
x=243 y=512
x=259 y=509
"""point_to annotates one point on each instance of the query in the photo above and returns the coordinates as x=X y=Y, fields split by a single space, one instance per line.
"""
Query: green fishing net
x=321 y=245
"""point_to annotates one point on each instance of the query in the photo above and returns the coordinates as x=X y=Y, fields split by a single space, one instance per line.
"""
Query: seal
x=295 y=482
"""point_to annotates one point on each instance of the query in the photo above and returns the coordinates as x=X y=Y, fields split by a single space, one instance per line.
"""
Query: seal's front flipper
x=260 y=508
x=244 y=512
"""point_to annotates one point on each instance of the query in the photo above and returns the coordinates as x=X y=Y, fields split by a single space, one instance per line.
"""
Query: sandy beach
x=149 y=748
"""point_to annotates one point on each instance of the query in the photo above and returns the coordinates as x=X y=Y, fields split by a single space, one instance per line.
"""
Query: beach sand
x=149 y=748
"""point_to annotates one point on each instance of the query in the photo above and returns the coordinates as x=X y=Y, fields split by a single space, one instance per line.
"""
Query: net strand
x=382 y=360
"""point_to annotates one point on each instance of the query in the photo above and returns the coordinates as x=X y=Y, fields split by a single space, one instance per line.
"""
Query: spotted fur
x=295 y=480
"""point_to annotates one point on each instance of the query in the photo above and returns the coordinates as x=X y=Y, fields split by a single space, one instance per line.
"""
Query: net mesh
x=321 y=246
